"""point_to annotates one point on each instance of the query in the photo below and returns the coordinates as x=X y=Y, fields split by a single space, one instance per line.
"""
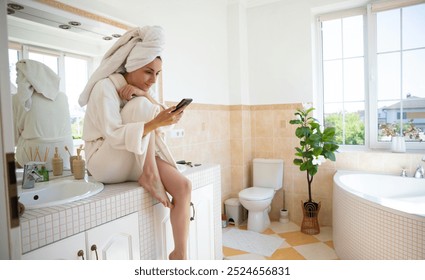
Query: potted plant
x=316 y=145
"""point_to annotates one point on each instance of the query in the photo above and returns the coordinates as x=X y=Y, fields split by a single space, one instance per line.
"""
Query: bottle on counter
x=57 y=163
x=79 y=166
x=45 y=173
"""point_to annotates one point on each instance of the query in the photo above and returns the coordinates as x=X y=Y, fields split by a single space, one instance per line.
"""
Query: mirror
x=67 y=39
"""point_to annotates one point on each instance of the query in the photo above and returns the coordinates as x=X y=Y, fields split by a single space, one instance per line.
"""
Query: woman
x=123 y=127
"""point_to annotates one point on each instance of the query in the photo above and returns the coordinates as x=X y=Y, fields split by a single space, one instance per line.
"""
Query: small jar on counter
x=57 y=163
x=79 y=166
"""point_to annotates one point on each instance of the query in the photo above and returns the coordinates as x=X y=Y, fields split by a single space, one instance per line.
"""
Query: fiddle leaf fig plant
x=316 y=144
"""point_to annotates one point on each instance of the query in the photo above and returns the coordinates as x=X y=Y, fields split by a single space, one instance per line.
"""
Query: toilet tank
x=268 y=173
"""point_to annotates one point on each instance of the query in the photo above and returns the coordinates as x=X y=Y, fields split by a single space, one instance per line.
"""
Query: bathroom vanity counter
x=44 y=226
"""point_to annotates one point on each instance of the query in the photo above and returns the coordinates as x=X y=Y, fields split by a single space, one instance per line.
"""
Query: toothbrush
x=66 y=148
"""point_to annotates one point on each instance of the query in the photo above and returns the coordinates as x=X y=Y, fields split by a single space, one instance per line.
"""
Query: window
x=72 y=69
x=373 y=69
x=343 y=78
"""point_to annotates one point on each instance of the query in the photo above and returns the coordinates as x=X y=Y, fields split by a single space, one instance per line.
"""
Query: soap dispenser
x=79 y=166
x=57 y=163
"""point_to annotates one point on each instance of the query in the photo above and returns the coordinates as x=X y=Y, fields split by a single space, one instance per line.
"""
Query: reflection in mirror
x=73 y=70
x=41 y=115
x=34 y=33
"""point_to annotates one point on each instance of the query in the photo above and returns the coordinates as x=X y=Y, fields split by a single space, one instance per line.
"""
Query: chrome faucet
x=419 y=172
x=31 y=175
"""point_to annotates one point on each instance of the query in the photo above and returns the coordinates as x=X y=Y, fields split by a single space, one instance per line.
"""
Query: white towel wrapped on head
x=34 y=76
x=135 y=49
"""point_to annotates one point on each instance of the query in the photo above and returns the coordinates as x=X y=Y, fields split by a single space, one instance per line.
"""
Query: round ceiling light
x=64 y=26
x=15 y=6
x=74 y=23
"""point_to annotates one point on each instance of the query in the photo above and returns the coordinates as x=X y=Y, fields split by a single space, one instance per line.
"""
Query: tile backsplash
x=233 y=135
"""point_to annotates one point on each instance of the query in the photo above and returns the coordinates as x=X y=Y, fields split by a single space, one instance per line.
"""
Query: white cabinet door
x=201 y=234
x=164 y=241
x=66 y=249
x=201 y=231
x=116 y=240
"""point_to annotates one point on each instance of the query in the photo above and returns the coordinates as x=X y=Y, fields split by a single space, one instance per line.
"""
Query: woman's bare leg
x=150 y=179
x=180 y=188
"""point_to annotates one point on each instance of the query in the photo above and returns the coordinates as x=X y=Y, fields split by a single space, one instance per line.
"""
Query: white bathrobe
x=115 y=149
x=41 y=115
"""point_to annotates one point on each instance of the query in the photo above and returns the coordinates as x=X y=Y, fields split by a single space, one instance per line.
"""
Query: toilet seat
x=256 y=193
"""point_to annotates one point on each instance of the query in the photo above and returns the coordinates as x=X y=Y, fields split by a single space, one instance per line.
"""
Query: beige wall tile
x=235 y=124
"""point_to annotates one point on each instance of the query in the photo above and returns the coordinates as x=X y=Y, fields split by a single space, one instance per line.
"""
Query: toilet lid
x=256 y=193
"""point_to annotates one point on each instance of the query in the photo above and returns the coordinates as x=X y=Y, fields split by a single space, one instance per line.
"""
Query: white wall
x=195 y=57
x=280 y=48
x=237 y=52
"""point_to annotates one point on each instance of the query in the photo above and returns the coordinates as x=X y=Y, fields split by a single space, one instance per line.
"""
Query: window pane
x=76 y=73
x=414 y=27
x=405 y=118
x=348 y=120
x=354 y=79
x=49 y=60
x=388 y=120
x=332 y=43
x=332 y=81
x=413 y=119
x=388 y=31
x=354 y=123
x=13 y=59
x=353 y=36
x=389 y=76
x=333 y=116
x=414 y=73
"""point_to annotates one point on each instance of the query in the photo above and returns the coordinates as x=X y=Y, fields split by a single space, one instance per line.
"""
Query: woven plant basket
x=310 y=223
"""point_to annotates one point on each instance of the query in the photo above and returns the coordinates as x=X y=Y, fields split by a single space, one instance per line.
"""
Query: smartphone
x=182 y=103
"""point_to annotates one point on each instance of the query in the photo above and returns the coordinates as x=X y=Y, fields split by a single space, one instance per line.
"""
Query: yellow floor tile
x=297 y=238
x=243 y=227
x=330 y=244
x=286 y=254
x=232 y=252
x=268 y=231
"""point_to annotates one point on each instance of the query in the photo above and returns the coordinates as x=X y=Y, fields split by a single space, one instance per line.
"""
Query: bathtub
x=378 y=216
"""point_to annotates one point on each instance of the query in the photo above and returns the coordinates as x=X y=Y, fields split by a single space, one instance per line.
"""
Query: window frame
x=369 y=12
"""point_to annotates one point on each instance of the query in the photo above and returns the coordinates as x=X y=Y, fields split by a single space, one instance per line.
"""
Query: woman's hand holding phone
x=183 y=103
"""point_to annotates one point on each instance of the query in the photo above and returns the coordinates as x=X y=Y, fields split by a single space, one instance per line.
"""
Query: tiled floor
x=296 y=245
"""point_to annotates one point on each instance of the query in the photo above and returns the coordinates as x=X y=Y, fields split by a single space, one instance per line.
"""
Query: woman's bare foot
x=176 y=256
x=155 y=188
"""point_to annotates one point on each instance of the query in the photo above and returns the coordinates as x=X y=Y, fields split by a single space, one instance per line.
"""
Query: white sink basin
x=58 y=191
x=181 y=167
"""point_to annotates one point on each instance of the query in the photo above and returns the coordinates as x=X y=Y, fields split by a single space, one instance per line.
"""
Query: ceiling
x=68 y=18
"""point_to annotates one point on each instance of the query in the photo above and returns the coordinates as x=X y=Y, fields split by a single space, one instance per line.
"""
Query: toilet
x=267 y=179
